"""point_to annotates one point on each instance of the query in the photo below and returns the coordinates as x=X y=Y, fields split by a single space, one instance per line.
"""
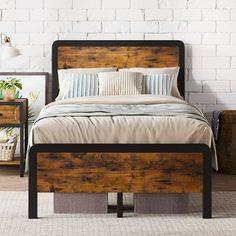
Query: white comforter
x=115 y=128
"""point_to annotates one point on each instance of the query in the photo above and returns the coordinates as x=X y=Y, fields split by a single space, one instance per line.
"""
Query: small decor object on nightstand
x=8 y=87
x=8 y=148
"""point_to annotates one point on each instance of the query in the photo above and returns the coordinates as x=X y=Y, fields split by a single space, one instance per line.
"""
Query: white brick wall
x=233 y=86
x=173 y=4
x=226 y=4
x=45 y=15
x=144 y=26
x=27 y=4
x=233 y=62
x=57 y=4
x=72 y=15
x=7 y=4
x=144 y=3
x=114 y=3
x=119 y=26
x=201 y=26
x=216 y=38
x=187 y=14
x=215 y=62
x=129 y=14
x=97 y=14
x=15 y=15
x=201 y=3
x=158 y=14
x=216 y=86
x=29 y=26
x=223 y=74
x=216 y=14
x=207 y=27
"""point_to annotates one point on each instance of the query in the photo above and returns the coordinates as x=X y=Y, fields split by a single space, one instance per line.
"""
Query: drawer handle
x=1 y=114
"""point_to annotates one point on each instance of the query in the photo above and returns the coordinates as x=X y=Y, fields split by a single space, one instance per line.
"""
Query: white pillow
x=65 y=73
x=171 y=71
x=120 y=83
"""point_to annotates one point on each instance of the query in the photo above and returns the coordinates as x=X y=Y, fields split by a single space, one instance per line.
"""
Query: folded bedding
x=122 y=119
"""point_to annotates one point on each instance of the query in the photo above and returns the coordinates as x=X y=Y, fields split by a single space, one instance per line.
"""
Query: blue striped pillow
x=80 y=85
x=158 y=84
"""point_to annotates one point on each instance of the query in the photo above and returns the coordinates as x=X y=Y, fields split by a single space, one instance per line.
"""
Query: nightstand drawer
x=9 y=114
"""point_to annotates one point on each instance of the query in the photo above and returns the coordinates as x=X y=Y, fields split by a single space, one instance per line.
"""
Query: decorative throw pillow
x=164 y=74
x=120 y=83
x=80 y=85
x=158 y=84
x=62 y=73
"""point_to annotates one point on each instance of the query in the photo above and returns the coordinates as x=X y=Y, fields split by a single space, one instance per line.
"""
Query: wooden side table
x=226 y=143
x=15 y=114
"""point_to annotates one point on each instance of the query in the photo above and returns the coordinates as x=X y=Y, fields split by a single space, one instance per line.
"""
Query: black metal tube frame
x=141 y=148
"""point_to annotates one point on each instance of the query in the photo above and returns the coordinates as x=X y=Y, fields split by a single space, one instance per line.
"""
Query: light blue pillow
x=158 y=84
x=80 y=85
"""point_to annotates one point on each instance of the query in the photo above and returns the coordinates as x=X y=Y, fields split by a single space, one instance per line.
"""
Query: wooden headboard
x=122 y=54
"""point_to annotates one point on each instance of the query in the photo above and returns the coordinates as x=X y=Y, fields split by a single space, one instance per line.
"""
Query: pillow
x=169 y=72
x=63 y=72
x=80 y=85
x=120 y=83
x=158 y=84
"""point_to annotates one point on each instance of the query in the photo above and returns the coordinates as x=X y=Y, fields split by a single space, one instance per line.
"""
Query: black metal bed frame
x=143 y=148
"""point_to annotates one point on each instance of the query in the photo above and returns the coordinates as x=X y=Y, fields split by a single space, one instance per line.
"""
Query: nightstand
x=225 y=144
x=15 y=114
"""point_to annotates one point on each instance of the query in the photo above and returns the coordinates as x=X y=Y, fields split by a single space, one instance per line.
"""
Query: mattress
x=122 y=119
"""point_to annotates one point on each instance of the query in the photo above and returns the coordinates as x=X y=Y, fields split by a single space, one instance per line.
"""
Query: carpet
x=14 y=221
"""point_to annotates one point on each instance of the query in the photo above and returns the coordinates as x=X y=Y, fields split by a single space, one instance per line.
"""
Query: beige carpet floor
x=14 y=221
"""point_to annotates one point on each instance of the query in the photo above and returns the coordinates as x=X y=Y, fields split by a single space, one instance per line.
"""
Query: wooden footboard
x=120 y=168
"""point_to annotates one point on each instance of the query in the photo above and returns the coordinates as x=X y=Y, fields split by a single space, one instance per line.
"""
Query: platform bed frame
x=138 y=168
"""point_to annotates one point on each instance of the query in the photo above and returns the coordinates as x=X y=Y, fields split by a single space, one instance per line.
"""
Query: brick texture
x=208 y=29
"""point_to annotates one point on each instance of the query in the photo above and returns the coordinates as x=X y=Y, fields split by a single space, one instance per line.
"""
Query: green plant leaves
x=10 y=83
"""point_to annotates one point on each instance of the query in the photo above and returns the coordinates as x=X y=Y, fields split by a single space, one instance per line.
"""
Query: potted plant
x=8 y=87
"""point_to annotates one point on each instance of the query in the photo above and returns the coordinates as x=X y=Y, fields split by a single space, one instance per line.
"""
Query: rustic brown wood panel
x=121 y=57
x=9 y=114
x=226 y=145
x=120 y=172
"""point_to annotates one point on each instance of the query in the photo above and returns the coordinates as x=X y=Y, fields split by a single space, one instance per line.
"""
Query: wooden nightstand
x=15 y=114
x=225 y=145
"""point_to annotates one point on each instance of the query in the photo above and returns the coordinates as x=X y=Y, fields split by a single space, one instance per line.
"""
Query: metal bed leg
x=207 y=188
x=120 y=205
x=33 y=195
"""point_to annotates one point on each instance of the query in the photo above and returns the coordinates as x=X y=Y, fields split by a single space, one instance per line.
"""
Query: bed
x=118 y=164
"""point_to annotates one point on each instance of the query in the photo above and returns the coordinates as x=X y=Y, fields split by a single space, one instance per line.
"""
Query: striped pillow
x=150 y=80
x=120 y=83
x=158 y=84
x=80 y=85
x=66 y=73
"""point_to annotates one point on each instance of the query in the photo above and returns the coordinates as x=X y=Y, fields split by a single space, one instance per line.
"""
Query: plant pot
x=9 y=94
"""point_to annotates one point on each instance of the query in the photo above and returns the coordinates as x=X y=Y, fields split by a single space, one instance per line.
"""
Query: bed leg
x=32 y=188
x=120 y=205
x=207 y=188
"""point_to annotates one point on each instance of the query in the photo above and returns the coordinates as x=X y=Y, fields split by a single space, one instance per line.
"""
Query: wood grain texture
x=10 y=111
x=121 y=57
x=14 y=162
x=226 y=146
x=119 y=172
x=9 y=114
x=10 y=181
